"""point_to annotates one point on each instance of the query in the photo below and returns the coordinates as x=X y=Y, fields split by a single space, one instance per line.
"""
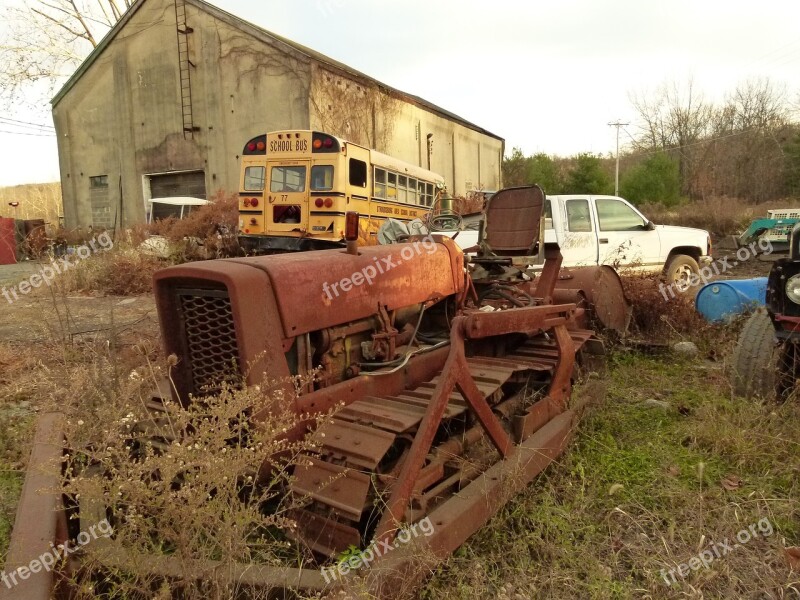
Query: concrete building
x=166 y=102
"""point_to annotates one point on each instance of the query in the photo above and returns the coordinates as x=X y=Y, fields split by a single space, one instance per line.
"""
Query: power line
x=15 y=122
x=28 y=133
x=697 y=143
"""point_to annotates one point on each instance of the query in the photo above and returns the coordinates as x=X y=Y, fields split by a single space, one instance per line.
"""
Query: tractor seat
x=512 y=226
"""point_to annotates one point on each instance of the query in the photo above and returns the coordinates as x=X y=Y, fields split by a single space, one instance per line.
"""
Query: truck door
x=623 y=235
x=579 y=243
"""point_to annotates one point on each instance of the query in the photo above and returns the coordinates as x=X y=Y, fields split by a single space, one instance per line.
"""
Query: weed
x=641 y=491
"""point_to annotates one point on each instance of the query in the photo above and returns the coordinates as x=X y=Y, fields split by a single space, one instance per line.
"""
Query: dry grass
x=127 y=270
x=186 y=485
x=719 y=215
x=122 y=271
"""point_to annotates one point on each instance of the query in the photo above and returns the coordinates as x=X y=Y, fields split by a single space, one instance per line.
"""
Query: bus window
x=412 y=191
x=391 y=190
x=429 y=194
x=380 y=183
x=254 y=179
x=321 y=178
x=286 y=214
x=288 y=179
x=402 y=184
x=358 y=173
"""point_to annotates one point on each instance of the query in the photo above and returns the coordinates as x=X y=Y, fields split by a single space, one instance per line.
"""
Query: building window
x=100 y=202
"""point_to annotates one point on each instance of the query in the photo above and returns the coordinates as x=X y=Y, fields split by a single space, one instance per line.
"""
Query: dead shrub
x=656 y=317
x=208 y=232
x=121 y=271
x=719 y=215
x=184 y=489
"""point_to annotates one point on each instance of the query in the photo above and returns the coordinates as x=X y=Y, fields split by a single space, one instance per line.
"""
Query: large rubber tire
x=755 y=358
x=679 y=270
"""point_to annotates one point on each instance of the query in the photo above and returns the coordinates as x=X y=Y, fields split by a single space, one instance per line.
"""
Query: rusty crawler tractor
x=432 y=366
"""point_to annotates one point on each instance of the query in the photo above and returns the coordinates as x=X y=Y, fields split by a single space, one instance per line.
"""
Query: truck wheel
x=679 y=272
x=755 y=358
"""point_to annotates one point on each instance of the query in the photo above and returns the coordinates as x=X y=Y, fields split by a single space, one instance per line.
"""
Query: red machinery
x=432 y=365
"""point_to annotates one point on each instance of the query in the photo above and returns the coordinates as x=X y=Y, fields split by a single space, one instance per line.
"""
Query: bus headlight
x=793 y=289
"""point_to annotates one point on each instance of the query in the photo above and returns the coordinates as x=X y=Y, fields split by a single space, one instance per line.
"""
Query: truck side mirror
x=649 y=226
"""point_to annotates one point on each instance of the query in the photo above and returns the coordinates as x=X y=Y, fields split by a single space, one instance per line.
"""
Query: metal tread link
x=356 y=440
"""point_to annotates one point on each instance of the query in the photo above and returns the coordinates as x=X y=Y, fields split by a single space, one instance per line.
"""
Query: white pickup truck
x=608 y=230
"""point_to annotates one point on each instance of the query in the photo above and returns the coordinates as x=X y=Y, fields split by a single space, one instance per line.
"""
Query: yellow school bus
x=296 y=187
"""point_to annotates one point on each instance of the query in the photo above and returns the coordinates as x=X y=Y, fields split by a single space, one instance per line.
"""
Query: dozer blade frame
x=456 y=375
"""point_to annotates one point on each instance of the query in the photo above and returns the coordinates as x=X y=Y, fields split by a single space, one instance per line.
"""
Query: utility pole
x=617 y=124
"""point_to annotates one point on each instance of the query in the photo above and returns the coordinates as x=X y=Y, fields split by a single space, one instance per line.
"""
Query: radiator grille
x=213 y=355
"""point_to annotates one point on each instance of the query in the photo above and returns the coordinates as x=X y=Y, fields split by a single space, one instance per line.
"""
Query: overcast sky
x=545 y=75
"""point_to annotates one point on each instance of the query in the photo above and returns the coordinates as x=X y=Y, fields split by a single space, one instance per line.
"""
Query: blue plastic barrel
x=718 y=301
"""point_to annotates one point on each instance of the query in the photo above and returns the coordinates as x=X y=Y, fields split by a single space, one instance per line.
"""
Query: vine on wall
x=363 y=114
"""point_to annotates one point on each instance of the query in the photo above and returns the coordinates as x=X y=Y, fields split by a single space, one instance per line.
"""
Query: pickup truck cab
x=608 y=230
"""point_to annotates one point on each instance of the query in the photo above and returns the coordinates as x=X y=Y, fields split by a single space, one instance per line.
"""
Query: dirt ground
x=45 y=313
x=757 y=265
x=12 y=274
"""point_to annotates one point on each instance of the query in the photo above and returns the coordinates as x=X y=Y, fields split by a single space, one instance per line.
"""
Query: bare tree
x=43 y=41
x=734 y=149
x=36 y=201
x=749 y=132
x=676 y=119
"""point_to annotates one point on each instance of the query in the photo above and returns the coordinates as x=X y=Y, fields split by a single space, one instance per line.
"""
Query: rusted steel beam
x=549 y=275
x=404 y=488
x=37 y=524
x=530 y=319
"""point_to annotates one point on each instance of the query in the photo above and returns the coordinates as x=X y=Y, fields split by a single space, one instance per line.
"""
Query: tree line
x=685 y=147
